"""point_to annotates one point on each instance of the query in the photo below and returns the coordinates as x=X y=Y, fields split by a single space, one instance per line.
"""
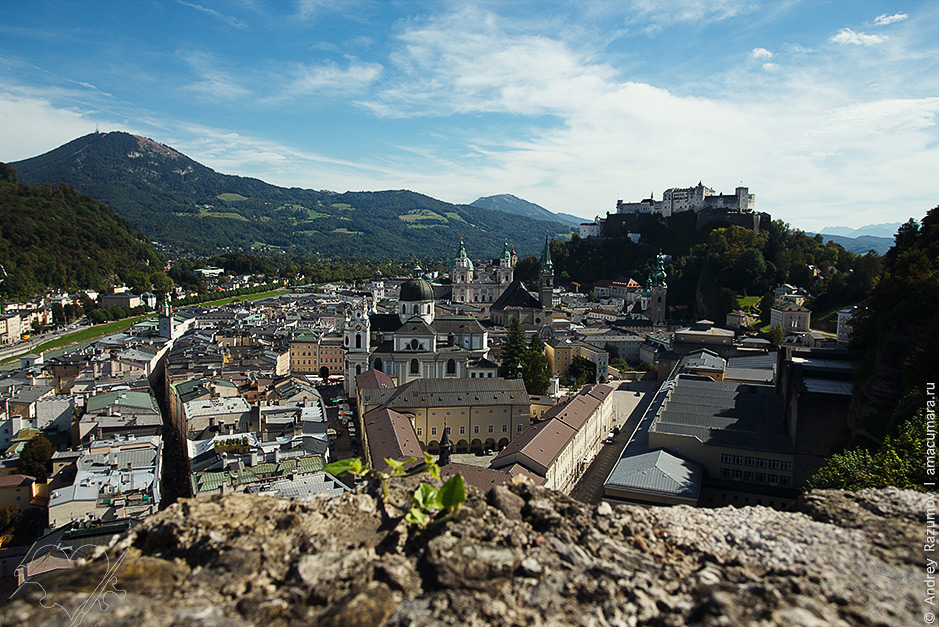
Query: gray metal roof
x=722 y=413
x=659 y=472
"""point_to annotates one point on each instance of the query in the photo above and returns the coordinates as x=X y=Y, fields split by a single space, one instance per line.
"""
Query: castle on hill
x=710 y=206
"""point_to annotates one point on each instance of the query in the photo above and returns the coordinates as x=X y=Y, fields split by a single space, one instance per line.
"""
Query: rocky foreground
x=519 y=555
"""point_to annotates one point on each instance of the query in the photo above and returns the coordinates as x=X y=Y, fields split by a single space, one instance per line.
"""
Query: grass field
x=744 y=303
x=347 y=231
x=231 y=197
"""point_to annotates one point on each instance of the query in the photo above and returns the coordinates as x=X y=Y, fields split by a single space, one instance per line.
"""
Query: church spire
x=546 y=252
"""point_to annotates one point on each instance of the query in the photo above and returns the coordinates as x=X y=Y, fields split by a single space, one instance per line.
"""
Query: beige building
x=791 y=317
x=479 y=413
x=556 y=450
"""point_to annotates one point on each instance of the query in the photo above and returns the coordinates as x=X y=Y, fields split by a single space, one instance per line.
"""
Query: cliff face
x=517 y=556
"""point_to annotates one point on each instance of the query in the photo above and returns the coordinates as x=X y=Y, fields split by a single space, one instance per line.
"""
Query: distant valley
x=189 y=208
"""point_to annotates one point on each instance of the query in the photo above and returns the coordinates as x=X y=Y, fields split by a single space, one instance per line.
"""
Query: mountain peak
x=521 y=207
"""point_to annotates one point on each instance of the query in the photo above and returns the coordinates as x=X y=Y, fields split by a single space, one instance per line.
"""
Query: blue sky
x=826 y=110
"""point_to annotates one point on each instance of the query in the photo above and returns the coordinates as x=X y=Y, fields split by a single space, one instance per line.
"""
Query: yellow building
x=316 y=354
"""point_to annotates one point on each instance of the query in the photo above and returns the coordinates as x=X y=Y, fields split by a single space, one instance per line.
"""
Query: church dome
x=416 y=290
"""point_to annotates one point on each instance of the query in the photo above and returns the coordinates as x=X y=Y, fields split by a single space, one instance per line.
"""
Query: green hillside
x=192 y=209
x=53 y=236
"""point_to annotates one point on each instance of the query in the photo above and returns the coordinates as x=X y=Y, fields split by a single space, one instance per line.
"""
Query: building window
x=738 y=459
x=415 y=367
x=726 y=458
x=451 y=366
x=773 y=479
x=505 y=428
x=519 y=428
x=774 y=464
x=491 y=429
x=748 y=475
x=761 y=462
x=787 y=466
x=784 y=480
x=761 y=477
x=750 y=461
x=462 y=429
x=433 y=430
x=738 y=474
x=420 y=431
x=447 y=429
x=725 y=473
x=475 y=428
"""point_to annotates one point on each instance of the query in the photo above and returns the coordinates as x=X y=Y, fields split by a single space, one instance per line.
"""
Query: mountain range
x=189 y=208
x=886 y=229
x=521 y=207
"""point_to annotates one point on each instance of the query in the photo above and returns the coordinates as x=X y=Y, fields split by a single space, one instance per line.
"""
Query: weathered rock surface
x=528 y=556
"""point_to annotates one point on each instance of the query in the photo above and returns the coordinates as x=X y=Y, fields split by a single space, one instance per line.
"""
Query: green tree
x=776 y=336
x=766 y=303
x=900 y=462
x=513 y=350
x=535 y=368
x=581 y=371
x=34 y=460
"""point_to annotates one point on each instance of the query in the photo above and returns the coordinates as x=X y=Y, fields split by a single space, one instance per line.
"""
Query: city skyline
x=827 y=112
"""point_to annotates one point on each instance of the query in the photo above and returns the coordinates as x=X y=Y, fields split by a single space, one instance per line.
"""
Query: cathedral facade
x=415 y=343
x=485 y=284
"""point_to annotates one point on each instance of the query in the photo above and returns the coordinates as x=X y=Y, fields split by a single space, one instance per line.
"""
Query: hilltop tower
x=546 y=282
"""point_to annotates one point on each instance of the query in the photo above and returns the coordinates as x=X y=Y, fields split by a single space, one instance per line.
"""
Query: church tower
x=356 y=336
x=505 y=272
x=546 y=282
x=166 y=321
x=659 y=292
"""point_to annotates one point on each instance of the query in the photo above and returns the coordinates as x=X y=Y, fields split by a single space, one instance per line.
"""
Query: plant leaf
x=453 y=493
x=434 y=470
x=427 y=498
x=417 y=517
x=343 y=466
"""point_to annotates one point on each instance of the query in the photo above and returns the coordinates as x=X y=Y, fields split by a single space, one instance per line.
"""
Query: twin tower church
x=415 y=342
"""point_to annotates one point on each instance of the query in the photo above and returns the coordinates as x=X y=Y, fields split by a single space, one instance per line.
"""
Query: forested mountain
x=899 y=330
x=53 y=236
x=513 y=204
x=860 y=244
x=182 y=204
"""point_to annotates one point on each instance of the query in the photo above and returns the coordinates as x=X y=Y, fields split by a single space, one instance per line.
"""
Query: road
x=631 y=399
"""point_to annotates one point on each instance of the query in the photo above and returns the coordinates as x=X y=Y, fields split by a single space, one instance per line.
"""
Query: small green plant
x=427 y=501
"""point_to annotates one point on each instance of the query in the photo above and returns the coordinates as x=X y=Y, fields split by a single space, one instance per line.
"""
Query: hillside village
x=258 y=396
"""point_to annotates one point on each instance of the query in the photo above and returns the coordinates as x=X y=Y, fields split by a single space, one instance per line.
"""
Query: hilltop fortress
x=736 y=208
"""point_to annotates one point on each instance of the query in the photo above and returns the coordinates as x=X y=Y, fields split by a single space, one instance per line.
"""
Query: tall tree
x=535 y=368
x=513 y=351
x=34 y=460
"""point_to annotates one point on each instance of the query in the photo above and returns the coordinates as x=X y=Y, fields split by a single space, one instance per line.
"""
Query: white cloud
x=661 y=13
x=227 y=19
x=31 y=125
x=770 y=67
x=883 y=20
x=762 y=53
x=846 y=36
x=310 y=79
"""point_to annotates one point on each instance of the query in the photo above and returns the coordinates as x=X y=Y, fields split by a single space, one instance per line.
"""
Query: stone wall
x=519 y=555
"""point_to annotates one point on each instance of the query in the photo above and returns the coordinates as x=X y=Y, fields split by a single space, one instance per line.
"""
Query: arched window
x=415 y=367
x=358 y=340
x=451 y=366
x=415 y=345
x=358 y=369
x=378 y=365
